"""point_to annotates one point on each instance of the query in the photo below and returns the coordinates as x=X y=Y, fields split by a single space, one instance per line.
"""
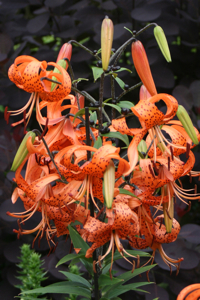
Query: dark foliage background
x=39 y=28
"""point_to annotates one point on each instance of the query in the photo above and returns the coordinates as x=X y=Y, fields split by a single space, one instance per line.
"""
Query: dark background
x=39 y=28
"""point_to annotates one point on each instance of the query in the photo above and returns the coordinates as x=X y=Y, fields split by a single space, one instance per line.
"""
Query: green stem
x=112 y=81
x=129 y=90
x=145 y=28
x=84 y=48
x=101 y=88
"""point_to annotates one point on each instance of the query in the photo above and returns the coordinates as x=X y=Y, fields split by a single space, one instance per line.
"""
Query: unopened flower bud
x=168 y=211
x=61 y=63
x=142 y=148
x=109 y=184
x=22 y=151
x=142 y=67
x=184 y=118
x=107 y=31
x=162 y=43
x=65 y=52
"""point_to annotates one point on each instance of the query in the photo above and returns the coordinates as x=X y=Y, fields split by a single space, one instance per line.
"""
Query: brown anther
x=168 y=163
x=33 y=243
x=190 y=177
x=71 y=246
x=99 y=213
x=187 y=150
x=110 y=272
x=6 y=115
x=66 y=204
x=147 y=274
x=155 y=167
x=151 y=171
x=189 y=206
x=99 y=261
x=168 y=214
x=36 y=159
x=94 y=266
x=133 y=268
x=45 y=129
x=51 y=248
x=138 y=261
x=60 y=209
x=18 y=223
x=172 y=153
x=54 y=248
x=195 y=189
x=161 y=221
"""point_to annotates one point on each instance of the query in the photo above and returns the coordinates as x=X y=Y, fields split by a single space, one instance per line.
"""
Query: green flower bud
x=109 y=184
x=184 y=118
x=22 y=151
x=61 y=63
x=168 y=214
x=162 y=42
x=142 y=148
x=107 y=31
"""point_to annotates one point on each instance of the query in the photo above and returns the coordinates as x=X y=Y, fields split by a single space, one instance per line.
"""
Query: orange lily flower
x=123 y=223
x=90 y=172
x=31 y=75
x=37 y=194
x=154 y=234
x=190 y=292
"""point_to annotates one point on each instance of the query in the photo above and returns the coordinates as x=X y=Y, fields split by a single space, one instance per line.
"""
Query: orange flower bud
x=65 y=52
x=142 y=67
x=107 y=31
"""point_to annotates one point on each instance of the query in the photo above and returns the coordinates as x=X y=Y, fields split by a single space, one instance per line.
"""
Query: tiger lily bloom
x=98 y=233
x=90 y=172
x=32 y=76
x=168 y=172
x=37 y=194
x=150 y=118
x=190 y=292
x=154 y=234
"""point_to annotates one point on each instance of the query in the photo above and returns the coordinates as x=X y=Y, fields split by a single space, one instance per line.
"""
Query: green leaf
x=106 y=280
x=125 y=104
x=118 y=290
x=118 y=135
x=79 y=113
x=155 y=298
x=123 y=69
x=93 y=117
x=64 y=287
x=114 y=106
x=79 y=79
x=98 y=143
x=125 y=192
x=77 y=278
x=129 y=275
x=77 y=240
x=88 y=264
x=117 y=255
x=120 y=82
x=97 y=72
x=128 y=30
x=69 y=257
